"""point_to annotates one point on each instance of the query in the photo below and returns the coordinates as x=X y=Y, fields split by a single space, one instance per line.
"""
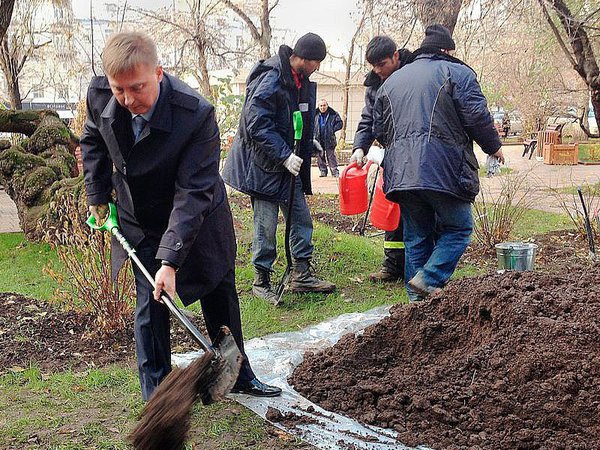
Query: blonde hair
x=125 y=51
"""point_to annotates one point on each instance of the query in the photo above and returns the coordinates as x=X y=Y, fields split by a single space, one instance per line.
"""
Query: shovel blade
x=225 y=367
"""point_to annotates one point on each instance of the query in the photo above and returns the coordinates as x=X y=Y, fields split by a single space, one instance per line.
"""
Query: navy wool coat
x=168 y=188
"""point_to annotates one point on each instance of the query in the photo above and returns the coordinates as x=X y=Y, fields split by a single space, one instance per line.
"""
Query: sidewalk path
x=9 y=220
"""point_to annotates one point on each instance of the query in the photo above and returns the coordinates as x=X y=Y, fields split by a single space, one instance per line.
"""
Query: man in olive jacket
x=155 y=142
x=261 y=160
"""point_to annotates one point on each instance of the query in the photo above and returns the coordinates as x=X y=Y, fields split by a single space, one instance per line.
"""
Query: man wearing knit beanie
x=262 y=162
x=311 y=47
x=438 y=36
x=431 y=170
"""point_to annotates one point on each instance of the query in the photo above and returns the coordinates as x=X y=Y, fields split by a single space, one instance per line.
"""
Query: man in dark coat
x=383 y=54
x=327 y=122
x=155 y=141
x=427 y=115
x=261 y=160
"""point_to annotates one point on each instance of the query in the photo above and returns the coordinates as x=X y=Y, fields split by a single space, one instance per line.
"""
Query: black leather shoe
x=256 y=388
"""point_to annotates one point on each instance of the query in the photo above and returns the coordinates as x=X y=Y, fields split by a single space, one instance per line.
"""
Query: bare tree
x=262 y=37
x=367 y=8
x=19 y=43
x=194 y=32
x=578 y=48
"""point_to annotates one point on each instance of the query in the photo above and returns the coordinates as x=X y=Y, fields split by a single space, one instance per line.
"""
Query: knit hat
x=438 y=36
x=310 y=46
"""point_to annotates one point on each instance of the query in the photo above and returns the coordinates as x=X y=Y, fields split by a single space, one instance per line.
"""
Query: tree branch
x=556 y=32
x=236 y=9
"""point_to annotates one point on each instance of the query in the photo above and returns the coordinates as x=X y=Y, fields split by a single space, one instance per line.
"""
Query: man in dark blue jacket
x=327 y=122
x=261 y=160
x=383 y=54
x=154 y=141
x=427 y=116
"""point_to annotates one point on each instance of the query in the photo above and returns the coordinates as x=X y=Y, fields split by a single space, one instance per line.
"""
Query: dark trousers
x=152 y=334
x=328 y=158
x=393 y=250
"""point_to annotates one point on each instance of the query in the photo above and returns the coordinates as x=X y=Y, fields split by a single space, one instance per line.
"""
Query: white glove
x=293 y=164
x=358 y=156
x=376 y=155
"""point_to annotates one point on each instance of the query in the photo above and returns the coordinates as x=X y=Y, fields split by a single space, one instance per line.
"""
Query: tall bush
x=496 y=214
x=86 y=284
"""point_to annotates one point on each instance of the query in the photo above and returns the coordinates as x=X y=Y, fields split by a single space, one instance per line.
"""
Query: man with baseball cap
x=261 y=160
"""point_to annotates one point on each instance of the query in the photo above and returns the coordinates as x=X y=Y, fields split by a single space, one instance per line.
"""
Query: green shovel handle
x=109 y=224
x=298 y=125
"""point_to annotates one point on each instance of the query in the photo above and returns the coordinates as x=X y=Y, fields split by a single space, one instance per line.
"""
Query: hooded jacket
x=265 y=137
x=427 y=116
x=364 y=137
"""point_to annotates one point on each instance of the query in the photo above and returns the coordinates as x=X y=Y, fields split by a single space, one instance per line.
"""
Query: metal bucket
x=517 y=256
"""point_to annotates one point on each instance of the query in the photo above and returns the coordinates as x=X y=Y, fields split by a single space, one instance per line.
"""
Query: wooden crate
x=567 y=154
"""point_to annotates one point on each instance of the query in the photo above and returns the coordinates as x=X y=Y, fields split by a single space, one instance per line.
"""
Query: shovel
x=225 y=359
x=298 y=128
x=588 y=226
x=363 y=225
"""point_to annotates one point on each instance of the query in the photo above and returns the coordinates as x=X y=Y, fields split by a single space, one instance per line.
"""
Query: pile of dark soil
x=494 y=362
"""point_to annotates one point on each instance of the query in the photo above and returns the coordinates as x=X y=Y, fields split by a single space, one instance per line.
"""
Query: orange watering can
x=385 y=214
x=354 y=198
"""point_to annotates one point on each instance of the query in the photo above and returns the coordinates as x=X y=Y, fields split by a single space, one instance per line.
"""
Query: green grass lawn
x=589 y=152
x=22 y=264
x=97 y=408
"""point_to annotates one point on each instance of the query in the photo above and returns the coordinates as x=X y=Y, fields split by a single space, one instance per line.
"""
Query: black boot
x=392 y=268
x=262 y=286
x=304 y=280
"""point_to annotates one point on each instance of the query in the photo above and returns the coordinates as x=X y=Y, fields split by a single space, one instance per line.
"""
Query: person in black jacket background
x=427 y=115
x=155 y=141
x=327 y=122
x=261 y=160
x=383 y=54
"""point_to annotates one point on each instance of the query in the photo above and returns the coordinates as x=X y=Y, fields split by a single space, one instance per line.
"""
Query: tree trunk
x=266 y=31
x=6 y=10
x=367 y=8
x=444 y=12
x=39 y=171
x=11 y=74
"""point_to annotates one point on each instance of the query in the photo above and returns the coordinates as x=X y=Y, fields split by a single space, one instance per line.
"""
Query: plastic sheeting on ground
x=273 y=359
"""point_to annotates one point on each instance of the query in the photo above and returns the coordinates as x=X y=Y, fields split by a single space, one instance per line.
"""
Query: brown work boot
x=304 y=280
x=420 y=287
x=262 y=286
x=384 y=276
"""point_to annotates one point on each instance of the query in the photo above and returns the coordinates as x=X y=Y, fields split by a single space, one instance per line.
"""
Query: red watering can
x=385 y=214
x=354 y=198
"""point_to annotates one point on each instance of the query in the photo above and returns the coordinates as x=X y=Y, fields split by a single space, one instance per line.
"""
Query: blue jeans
x=264 y=250
x=437 y=231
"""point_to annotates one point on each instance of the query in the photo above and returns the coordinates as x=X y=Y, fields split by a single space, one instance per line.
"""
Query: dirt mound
x=494 y=362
